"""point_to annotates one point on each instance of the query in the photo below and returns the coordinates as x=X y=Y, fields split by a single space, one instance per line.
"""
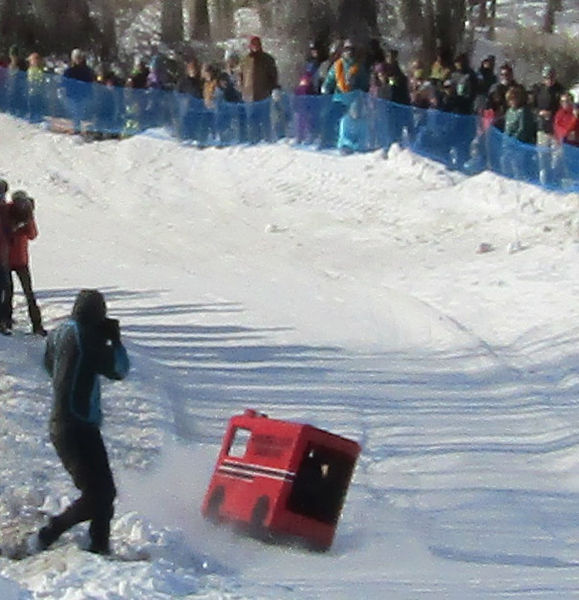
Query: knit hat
x=89 y=307
x=76 y=55
x=548 y=70
x=19 y=196
x=255 y=42
x=22 y=206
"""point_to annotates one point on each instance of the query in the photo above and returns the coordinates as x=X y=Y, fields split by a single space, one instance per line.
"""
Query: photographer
x=23 y=228
x=77 y=352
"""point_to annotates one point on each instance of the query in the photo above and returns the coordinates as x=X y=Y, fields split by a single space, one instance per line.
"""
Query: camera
x=111 y=329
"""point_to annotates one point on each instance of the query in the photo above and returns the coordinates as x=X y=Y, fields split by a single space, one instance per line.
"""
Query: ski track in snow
x=446 y=406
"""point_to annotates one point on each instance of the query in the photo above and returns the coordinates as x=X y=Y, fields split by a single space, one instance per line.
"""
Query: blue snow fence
x=350 y=123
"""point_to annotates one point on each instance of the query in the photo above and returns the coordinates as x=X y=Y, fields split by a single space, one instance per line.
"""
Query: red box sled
x=280 y=480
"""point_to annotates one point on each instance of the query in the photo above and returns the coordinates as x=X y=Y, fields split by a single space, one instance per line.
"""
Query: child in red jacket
x=566 y=129
x=566 y=124
x=23 y=229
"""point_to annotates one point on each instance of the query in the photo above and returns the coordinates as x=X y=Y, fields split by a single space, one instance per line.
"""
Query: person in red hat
x=258 y=78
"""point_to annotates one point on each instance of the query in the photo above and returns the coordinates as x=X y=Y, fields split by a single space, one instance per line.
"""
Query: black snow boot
x=48 y=534
x=100 y=531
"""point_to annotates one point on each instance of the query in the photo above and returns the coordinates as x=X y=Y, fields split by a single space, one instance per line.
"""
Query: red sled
x=281 y=481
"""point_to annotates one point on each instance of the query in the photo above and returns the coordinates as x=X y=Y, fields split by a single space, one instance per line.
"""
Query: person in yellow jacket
x=35 y=77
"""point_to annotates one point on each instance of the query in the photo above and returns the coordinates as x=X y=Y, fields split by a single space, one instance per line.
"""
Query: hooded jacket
x=76 y=353
x=19 y=243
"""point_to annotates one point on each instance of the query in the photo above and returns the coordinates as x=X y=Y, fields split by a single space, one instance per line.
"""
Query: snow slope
x=345 y=292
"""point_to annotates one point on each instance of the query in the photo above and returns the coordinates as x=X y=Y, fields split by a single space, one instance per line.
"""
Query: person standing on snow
x=258 y=79
x=22 y=229
x=4 y=260
x=77 y=352
x=77 y=80
x=547 y=97
x=347 y=74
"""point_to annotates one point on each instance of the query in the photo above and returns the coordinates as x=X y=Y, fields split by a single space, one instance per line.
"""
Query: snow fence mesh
x=351 y=123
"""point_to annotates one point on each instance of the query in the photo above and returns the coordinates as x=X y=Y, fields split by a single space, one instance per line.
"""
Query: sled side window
x=239 y=442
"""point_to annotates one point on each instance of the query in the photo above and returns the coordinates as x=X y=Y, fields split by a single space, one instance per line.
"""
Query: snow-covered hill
x=348 y=293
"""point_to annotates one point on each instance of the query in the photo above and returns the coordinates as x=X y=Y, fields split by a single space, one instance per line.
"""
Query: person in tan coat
x=258 y=78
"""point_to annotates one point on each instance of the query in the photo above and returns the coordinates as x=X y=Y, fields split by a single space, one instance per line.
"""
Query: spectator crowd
x=350 y=97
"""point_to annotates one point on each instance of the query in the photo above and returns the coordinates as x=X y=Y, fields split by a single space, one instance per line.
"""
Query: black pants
x=5 y=296
x=83 y=455
x=25 y=279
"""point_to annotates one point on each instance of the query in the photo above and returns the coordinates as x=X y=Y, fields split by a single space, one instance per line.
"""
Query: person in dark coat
x=465 y=83
x=230 y=117
x=486 y=78
x=547 y=97
x=5 y=325
x=17 y=82
x=77 y=352
x=139 y=74
x=77 y=80
x=506 y=80
x=190 y=101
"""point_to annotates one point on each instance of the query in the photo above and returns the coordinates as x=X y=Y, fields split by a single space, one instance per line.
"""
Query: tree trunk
x=65 y=24
x=224 y=27
x=172 y=21
x=321 y=24
x=450 y=23
x=431 y=45
x=482 y=13
x=358 y=19
x=8 y=17
x=199 y=26
x=266 y=10
x=549 y=18
x=109 y=36
x=491 y=31
x=412 y=19
x=307 y=21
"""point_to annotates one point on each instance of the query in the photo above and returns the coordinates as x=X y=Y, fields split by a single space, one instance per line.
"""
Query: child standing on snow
x=23 y=229
x=354 y=132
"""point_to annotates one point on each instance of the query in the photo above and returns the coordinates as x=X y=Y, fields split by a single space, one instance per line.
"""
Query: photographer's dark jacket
x=76 y=353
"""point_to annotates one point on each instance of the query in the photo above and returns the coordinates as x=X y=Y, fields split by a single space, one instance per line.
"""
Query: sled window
x=321 y=483
x=239 y=442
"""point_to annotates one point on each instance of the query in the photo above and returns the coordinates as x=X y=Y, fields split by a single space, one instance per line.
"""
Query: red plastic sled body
x=281 y=479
